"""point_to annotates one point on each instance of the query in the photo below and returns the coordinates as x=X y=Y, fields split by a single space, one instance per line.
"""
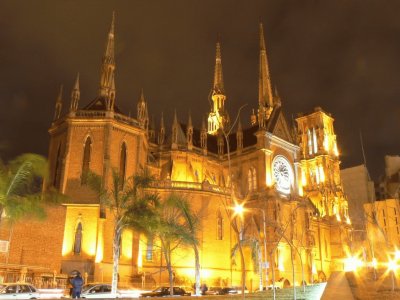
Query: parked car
x=165 y=291
x=232 y=290
x=97 y=291
x=18 y=291
x=214 y=290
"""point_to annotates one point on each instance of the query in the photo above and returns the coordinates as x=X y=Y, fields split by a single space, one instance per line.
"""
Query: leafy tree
x=131 y=205
x=21 y=187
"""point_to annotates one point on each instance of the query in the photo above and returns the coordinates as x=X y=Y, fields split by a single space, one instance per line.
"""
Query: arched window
x=250 y=180
x=149 y=248
x=122 y=164
x=78 y=239
x=57 y=169
x=220 y=226
x=254 y=178
x=315 y=141
x=86 y=159
x=309 y=140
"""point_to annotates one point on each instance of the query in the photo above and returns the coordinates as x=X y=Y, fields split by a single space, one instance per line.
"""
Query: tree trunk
x=167 y=256
x=114 y=282
x=243 y=264
x=272 y=259
x=260 y=268
x=197 y=271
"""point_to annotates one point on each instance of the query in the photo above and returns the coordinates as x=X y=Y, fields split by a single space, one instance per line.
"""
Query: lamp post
x=239 y=209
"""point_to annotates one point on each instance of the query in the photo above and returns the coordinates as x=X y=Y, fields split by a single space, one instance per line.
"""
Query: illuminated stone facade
x=290 y=175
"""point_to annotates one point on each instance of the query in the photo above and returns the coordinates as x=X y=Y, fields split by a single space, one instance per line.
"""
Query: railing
x=95 y=114
x=185 y=185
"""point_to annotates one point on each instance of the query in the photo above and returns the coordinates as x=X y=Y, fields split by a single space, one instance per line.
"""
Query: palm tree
x=174 y=231
x=21 y=187
x=192 y=222
x=131 y=205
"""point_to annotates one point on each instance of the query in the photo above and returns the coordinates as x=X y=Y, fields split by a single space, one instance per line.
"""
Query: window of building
x=220 y=226
x=309 y=139
x=78 y=239
x=86 y=159
x=149 y=249
x=315 y=144
x=250 y=180
x=122 y=164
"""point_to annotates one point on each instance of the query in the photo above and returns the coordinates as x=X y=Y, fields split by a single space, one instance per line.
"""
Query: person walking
x=77 y=283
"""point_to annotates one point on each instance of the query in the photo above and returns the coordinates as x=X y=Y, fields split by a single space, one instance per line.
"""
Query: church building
x=287 y=176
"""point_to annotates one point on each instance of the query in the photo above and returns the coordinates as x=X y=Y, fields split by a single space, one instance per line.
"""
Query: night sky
x=341 y=55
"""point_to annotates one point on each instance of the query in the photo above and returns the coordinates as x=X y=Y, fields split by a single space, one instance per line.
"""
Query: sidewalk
x=337 y=288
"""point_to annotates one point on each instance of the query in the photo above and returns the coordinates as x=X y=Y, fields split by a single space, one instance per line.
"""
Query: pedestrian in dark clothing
x=77 y=283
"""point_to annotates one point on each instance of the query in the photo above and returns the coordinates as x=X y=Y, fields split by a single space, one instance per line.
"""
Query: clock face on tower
x=282 y=173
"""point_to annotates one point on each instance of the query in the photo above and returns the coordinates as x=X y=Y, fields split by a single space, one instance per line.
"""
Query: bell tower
x=218 y=117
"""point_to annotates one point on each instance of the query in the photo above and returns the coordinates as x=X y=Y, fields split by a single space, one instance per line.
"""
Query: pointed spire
x=58 y=107
x=141 y=109
x=75 y=95
x=218 y=117
x=189 y=132
x=152 y=129
x=161 y=134
x=218 y=87
x=203 y=136
x=175 y=125
x=239 y=137
x=111 y=95
x=108 y=63
x=190 y=124
x=277 y=98
x=253 y=118
x=264 y=81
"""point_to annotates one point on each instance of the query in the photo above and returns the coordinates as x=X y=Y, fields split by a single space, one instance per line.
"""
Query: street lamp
x=239 y=210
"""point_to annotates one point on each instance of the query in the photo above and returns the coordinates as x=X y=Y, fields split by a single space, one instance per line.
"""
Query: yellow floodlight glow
x=321 y=173
x=268 y=178
x=392 y=265
x=397 y=255
x=335 y=149
x=303 y=178
x=238 y=209
x=351 y=264
x=338 y=218
x=140 y=256
x=326 y=143
x=374 y=263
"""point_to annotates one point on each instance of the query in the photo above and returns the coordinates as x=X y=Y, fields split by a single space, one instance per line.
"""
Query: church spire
x=218 y=87
x=175 y=127
x=111 y=95
x=108 y=63
x=265 y=98
x=75 y=95
x=161 y=134
x=58 y=107
x=189 y=133
x=141 y=109
x=218 y=117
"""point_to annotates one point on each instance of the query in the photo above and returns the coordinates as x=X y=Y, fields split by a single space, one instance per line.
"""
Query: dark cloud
x=340 y=55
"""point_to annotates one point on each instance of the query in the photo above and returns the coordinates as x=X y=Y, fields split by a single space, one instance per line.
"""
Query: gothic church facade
x=288 y=178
